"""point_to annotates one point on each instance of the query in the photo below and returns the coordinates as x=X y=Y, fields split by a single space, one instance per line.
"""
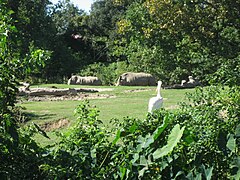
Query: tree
x=70 y=46
x=14 y=153
x=33 y=22
x=192 y=37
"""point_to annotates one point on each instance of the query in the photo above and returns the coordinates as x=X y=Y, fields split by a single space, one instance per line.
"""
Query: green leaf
x=133 y=128
x=118 y=135
x=237 y=131
x=141 y=172
x=237 y=176
x=208 y=172
x=189 y=139
x=231 y=144
x=160 y=129
x=149 y=140
x=173 y=139
x=135 y=158
x=199 y=176
x=122 y=172
x=143 y=160
x=94 y=153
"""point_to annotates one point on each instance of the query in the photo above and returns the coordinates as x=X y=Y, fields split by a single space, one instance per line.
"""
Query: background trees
x=169 y=39
x=192 y=37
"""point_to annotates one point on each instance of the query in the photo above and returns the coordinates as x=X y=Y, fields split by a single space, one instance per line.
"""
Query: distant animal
x=26 y=86
x=192 y=83
x=136 y=79
x=183 y=82
x=85 y=80
x=156 y=102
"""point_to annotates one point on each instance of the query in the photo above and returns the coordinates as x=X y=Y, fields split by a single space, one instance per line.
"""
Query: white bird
x=156 y=102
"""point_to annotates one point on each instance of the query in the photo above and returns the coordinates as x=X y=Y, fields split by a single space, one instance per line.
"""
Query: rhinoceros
x=136 y=79
x=85 y=80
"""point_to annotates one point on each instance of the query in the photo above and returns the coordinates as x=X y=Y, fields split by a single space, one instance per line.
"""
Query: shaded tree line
x=168 y=39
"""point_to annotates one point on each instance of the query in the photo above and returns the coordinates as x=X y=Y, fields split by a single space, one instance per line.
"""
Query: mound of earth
x=50 y=126
x=79 y=96
x=53 y=94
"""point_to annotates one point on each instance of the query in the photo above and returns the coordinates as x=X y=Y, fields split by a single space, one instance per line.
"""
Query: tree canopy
x=169 y=39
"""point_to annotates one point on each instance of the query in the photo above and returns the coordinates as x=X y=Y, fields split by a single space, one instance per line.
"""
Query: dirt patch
x=99 y=89
x=50 y=126
x=55 y=94
x=136 y=90
x=78 y=96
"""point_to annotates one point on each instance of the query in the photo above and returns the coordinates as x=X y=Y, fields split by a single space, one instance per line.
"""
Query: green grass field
x=127 y=101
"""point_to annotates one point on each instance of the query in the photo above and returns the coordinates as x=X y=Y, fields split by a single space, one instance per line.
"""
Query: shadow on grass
x=28 y=116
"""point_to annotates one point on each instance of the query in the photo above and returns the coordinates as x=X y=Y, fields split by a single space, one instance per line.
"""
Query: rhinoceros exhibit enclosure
x=123 y=90
x=52 y=105
x=54 y=102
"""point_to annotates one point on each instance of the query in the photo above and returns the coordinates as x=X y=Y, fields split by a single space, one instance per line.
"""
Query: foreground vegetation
x=199 y=140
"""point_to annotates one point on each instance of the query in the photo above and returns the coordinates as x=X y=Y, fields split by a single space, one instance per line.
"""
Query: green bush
x=211 y=119
x=89 y=151
x=19 y=154
x=227 y=73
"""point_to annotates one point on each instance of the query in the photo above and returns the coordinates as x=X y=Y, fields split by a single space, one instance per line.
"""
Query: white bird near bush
x=156 y=102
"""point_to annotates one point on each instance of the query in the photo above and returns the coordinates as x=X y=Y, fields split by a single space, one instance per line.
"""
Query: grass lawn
x=127 y=101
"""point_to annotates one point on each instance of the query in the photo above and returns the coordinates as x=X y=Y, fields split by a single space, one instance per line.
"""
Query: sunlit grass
x=127 y=101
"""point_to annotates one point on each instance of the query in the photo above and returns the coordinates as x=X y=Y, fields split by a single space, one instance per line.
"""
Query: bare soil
x=136 y=90
x=50 y=94
x=50 y=126
x=79 y=96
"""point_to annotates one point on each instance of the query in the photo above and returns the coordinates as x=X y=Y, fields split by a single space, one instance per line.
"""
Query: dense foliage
x=16 y=151
x=173 y=39
x=169 y=39
x=200 y=140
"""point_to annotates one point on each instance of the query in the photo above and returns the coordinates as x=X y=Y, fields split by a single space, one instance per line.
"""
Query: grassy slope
x=133 y=104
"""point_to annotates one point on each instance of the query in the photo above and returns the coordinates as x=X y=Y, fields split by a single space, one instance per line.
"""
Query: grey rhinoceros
x=84 y=80
x=136 y=79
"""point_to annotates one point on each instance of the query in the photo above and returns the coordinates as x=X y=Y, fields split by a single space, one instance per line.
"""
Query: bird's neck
x=158 y=91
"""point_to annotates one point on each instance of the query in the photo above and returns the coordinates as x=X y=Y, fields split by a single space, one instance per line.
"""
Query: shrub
x=211 y=119
x=227 y=73
x=199 y=140
x=90 y=151
x=19 y=155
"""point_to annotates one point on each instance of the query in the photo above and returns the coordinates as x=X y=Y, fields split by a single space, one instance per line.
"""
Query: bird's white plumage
x=156 y=102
